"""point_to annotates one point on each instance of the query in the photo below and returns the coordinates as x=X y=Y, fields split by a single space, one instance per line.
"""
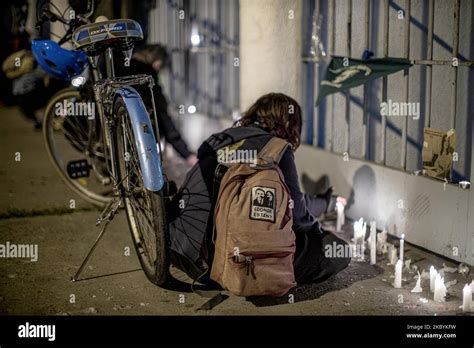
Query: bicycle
x=123 y=142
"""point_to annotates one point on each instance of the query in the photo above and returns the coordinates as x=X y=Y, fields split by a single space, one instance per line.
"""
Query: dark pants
x=312 y=265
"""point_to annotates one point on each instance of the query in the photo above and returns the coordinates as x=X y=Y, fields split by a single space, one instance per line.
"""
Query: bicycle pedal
x=78 y=169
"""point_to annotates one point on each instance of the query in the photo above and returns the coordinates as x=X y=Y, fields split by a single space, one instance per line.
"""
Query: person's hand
x=342 y=200
x=191 y=160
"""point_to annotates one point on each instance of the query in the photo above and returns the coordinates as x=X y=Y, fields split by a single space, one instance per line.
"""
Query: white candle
x=440 y=289
x=393 y=254
x=466 y=299
x=417 y=288
x=362 y=251
x=373 y=243
x=382 y=241
x=398 y=275
x=358 y=229
x=353 y=250
x=433 y=274
x=402 y=244
x=359 y=238
x=407 y=264
x=363 y=235
x=340 y=216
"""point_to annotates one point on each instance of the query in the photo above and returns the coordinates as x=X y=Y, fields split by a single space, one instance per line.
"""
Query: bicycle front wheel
x=145 y=209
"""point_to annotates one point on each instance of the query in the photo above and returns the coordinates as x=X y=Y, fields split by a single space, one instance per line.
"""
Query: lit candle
x=373 y=243
x=398 y=275
x=402 y=244
x=440 y=289
x=433 y=274
x=467 y=298
x=340 y=216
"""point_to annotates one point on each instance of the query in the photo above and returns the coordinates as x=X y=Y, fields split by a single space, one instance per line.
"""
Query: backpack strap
x=273 y=150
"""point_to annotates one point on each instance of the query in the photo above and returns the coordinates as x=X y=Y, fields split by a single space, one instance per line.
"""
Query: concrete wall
x=270 y=49
x=430 y=215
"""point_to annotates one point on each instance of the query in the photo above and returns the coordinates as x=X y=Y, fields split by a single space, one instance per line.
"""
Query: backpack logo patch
x=262 y=205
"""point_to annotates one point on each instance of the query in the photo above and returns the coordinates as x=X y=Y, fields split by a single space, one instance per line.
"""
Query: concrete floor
x=34 y=209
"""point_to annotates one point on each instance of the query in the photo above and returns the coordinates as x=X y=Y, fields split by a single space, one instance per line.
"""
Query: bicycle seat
x=117 y=33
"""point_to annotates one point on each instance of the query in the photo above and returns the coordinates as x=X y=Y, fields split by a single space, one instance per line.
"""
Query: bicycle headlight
x=78 y=81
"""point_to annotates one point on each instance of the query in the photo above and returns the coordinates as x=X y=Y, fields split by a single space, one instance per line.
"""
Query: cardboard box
x=437 y=154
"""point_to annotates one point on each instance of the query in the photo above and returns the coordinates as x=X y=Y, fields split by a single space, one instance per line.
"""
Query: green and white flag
x=344 y=73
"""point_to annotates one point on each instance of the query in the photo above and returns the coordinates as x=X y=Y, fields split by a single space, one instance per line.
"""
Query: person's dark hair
x=149 y=53
x=278 y=114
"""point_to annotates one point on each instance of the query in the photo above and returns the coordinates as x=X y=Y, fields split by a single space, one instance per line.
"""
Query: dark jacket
x=306 y=207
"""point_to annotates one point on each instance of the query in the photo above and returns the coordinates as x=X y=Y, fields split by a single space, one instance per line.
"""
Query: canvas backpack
x=253 y=236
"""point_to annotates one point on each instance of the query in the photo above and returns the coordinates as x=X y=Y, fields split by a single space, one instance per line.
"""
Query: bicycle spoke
x=142 y=208
x=146 y=226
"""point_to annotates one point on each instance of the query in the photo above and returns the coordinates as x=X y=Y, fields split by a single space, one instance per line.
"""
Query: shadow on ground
x=356 y=271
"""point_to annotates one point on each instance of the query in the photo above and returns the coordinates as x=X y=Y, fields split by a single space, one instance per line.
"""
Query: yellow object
x=18 y=64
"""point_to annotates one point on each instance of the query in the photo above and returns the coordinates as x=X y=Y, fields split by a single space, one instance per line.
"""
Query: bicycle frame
x=106 y=91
